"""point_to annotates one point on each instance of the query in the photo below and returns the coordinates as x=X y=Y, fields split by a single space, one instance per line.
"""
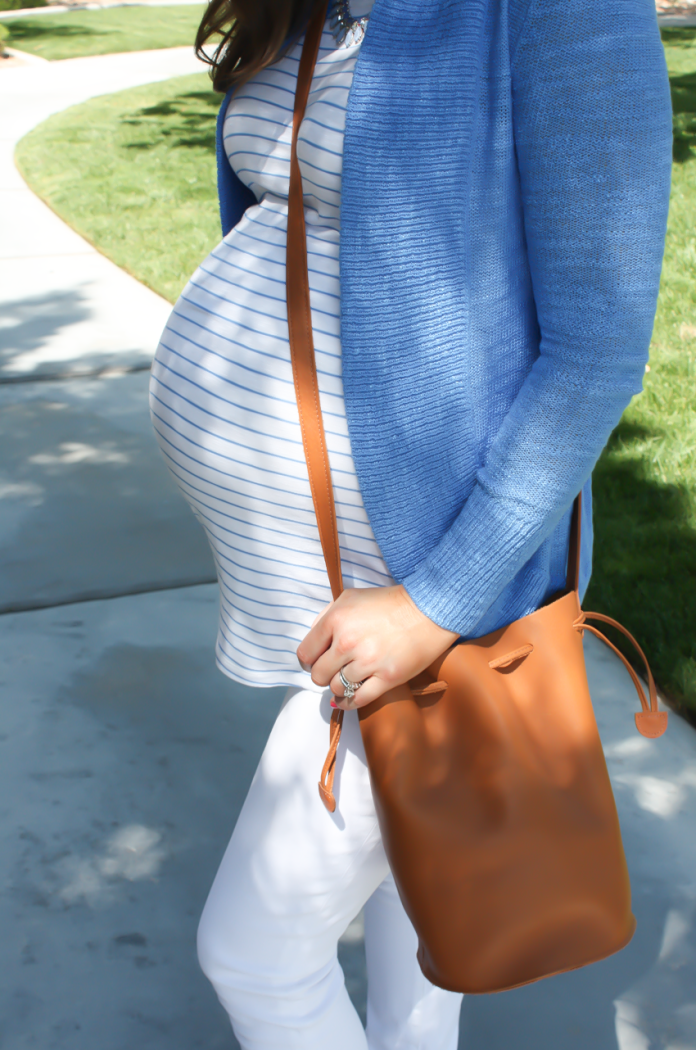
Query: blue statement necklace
x=344 y=26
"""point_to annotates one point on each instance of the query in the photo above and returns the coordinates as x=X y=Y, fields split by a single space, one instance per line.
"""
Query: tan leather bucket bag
x=487 y=771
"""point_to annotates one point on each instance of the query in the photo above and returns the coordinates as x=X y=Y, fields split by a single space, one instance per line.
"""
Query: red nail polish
x=334 y=704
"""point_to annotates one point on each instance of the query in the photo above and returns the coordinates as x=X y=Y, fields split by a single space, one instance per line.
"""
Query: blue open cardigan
x=504 y=201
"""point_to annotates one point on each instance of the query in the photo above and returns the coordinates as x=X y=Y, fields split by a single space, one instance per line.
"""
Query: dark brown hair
x=251 y=34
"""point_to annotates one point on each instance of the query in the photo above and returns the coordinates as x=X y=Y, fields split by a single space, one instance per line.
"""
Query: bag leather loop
x=650 y=722
x=326 y=780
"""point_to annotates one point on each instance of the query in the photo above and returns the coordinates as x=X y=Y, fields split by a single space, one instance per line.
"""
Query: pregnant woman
x=485 y=195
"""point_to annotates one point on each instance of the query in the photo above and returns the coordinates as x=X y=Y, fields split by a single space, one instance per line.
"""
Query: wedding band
x=350 y=688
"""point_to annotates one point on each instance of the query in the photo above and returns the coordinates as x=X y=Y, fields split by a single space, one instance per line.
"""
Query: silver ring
x=350 y=688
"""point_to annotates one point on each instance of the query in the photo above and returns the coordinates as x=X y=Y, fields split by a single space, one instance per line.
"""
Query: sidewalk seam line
x=57 y=377
x=27 y=607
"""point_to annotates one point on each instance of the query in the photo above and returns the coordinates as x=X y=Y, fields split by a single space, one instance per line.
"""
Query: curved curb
x=43 y=261
x=25 y=58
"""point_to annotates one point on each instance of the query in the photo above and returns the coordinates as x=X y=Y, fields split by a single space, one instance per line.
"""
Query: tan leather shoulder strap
x=573 y=572
x=304 y=367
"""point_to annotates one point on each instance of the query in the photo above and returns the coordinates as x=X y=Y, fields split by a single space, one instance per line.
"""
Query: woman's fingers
x=325 y=670
x=331 y=643
x=316 y=641
x=376 y=634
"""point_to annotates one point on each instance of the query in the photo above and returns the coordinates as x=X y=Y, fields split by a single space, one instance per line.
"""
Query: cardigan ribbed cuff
x=476 y=559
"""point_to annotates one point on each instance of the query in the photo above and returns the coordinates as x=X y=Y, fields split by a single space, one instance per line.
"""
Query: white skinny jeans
x=292 y=879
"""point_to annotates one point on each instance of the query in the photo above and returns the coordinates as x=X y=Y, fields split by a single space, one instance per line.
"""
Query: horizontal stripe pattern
x=222 y=396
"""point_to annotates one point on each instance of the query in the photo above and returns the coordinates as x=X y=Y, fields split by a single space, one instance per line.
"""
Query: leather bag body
x=496 y=809
x=487 y=770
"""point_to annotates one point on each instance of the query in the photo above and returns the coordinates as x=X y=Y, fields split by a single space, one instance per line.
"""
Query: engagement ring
x=350 y=688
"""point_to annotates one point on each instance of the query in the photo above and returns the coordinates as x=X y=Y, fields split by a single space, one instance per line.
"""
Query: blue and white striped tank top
x=222 y=396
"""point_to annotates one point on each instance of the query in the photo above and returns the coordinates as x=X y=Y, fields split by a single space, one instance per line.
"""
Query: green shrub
x=76 y=33
x=17 y=5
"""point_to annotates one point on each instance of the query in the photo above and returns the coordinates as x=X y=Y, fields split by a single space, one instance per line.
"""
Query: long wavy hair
x=249 y=35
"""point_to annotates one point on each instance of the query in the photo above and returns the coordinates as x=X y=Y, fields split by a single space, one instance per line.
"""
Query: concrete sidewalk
x=126 y=755
x=65 y=307
x=84 y=489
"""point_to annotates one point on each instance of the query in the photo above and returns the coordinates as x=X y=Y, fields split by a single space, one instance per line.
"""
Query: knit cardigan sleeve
x=592 y=126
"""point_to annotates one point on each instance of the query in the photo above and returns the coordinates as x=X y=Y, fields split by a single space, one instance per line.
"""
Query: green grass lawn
x=77 y=33
x=645 y=483
x=134 y=173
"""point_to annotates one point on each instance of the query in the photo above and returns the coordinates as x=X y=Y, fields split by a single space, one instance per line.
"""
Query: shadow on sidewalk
x=30 y=323
x=88 y=506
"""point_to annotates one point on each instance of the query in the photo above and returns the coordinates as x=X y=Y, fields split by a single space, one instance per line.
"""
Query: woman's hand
x=377 y=635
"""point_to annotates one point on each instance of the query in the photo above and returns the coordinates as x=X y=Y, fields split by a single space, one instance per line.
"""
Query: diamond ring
x=350 y=688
